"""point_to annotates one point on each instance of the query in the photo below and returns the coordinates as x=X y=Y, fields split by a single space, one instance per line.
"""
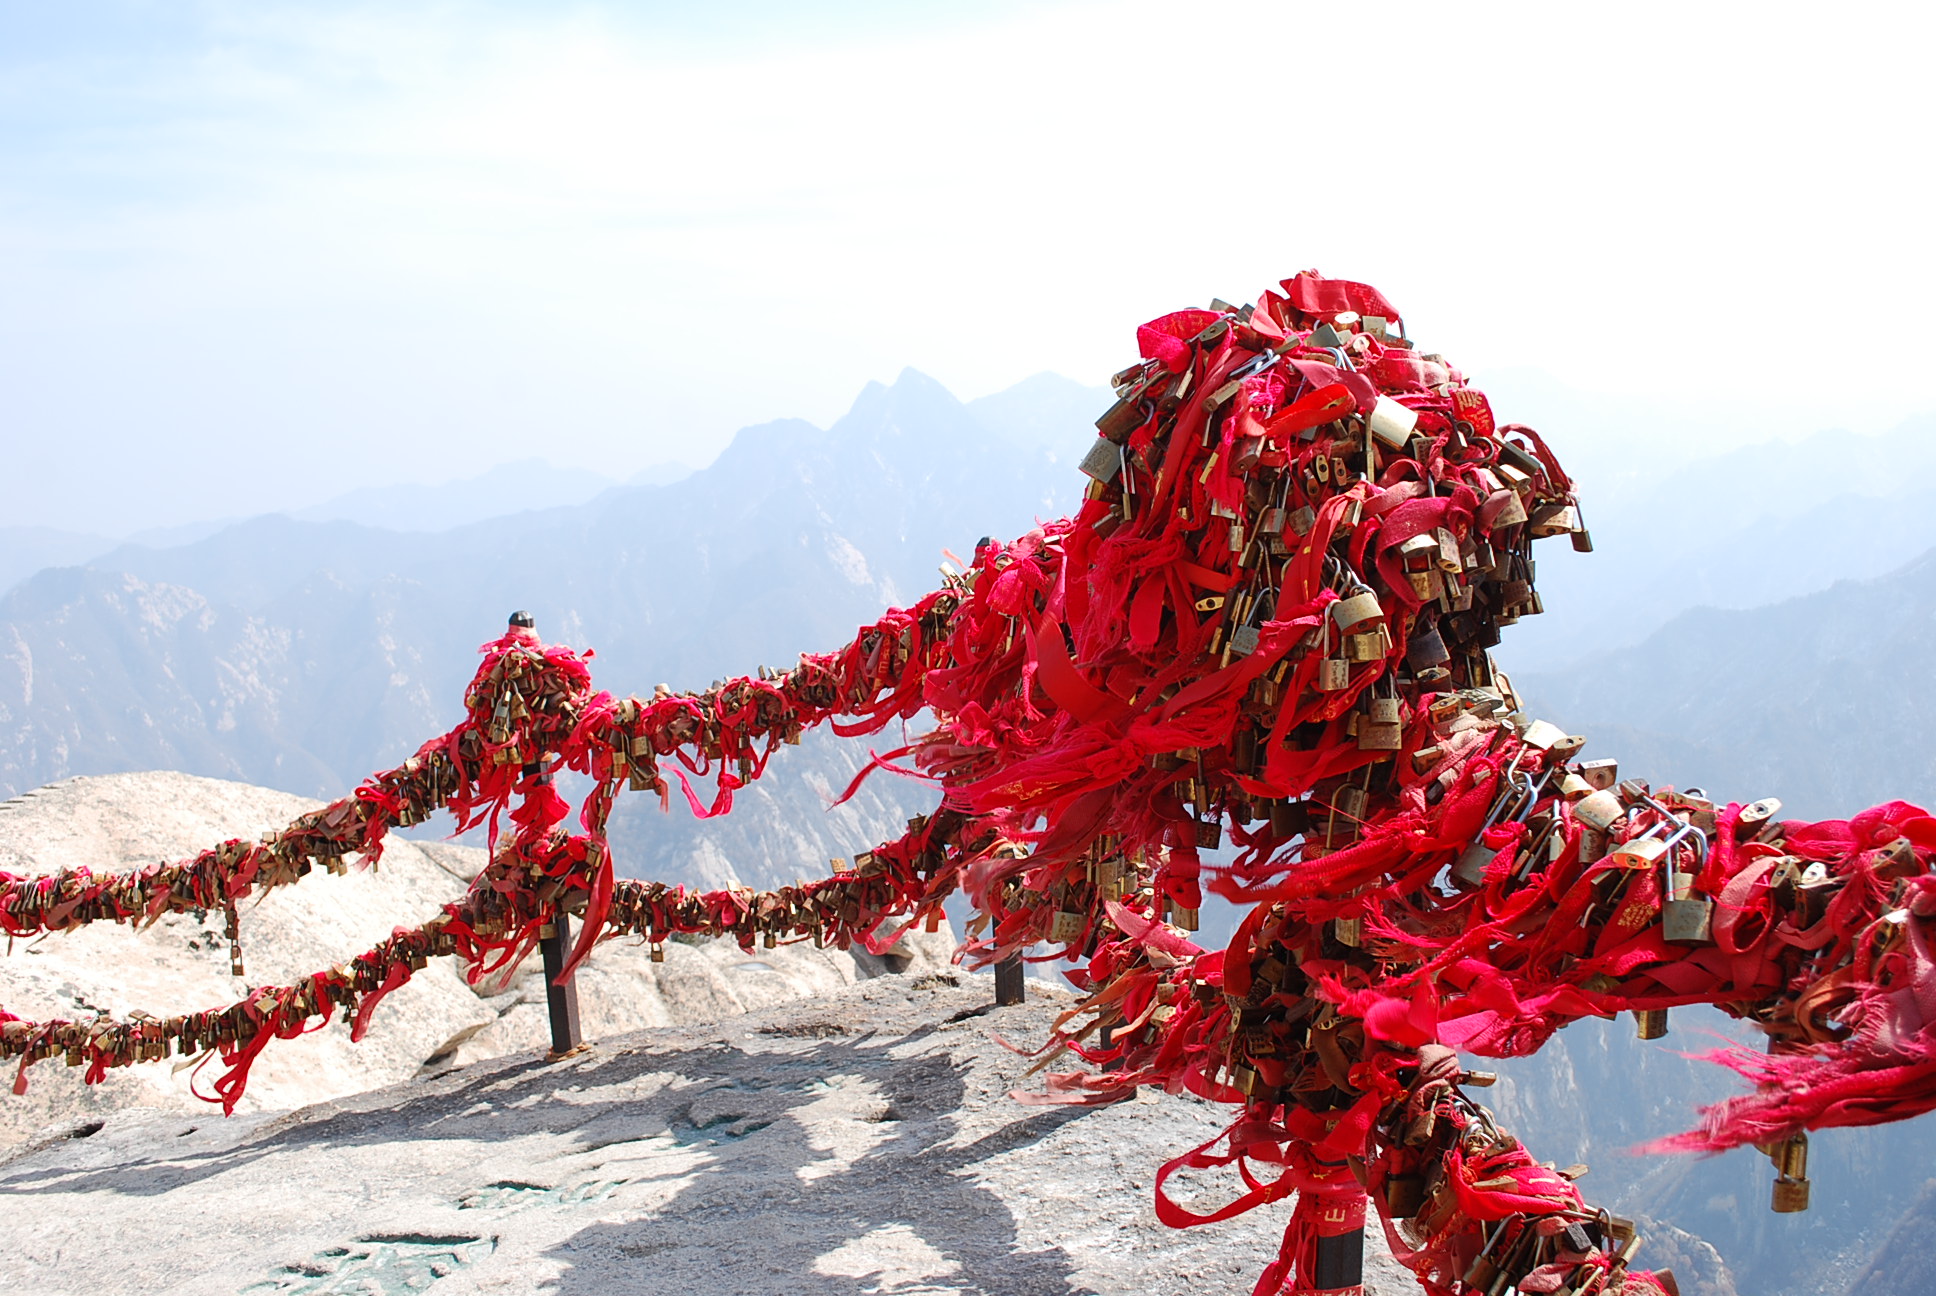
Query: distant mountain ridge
x=1817 y=699
x=24 y=550
x=302 y=655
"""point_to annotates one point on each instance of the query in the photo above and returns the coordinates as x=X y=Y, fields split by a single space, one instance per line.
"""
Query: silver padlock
x=1521 y=791
x=1103 y=462
x=1391 y=422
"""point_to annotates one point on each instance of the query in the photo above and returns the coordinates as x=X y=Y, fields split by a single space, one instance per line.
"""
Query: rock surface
x=863 y=1142
x=122 y=821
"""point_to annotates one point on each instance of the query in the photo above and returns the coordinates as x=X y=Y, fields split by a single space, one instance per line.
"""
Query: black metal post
x=554 y=940
x=1008 y=981
x=1340 y=1262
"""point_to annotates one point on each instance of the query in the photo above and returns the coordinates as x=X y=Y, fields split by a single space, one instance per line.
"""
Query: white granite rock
x=121 y=821
x=862 y=1142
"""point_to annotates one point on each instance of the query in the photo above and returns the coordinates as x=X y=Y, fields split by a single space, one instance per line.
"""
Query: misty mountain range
x=302 y=652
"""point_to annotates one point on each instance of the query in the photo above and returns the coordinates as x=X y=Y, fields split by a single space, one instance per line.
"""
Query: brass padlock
x=1505 y=507
x=1568 y=747
x=1554 y=519
x=1758 y=815
x=1367 y=647
x=1601 y=774
x=1686 y=919
x=1639 y=852
x=1896 y=860
x=1790 y=1195
x=1790 y=1158
x=1650 y=1023
x=1599 y=810
x=1348 y=931
x=1185 y=919
x=1479 y=1275
x=1404 y=1195
x=1066 y=927
x=1334 y=673
x=1373 y=736
x=1122 y=418
x=1289 y=818
x=1472 y=864
x=1209 y=834
x=1354 y=614
x=1543 y=734
x=1426 y=649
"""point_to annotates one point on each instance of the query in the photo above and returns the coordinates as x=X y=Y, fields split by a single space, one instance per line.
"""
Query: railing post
x=1341 y=1262
x=1009 y=988
x=554 y=939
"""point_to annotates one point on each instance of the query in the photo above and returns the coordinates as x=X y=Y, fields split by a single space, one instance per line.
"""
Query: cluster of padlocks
x=1267 y=628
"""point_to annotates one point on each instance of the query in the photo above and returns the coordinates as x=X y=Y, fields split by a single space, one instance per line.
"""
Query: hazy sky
x=253 y=254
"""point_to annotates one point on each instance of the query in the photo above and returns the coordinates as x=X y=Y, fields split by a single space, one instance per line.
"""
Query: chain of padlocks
x=1270 y=618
